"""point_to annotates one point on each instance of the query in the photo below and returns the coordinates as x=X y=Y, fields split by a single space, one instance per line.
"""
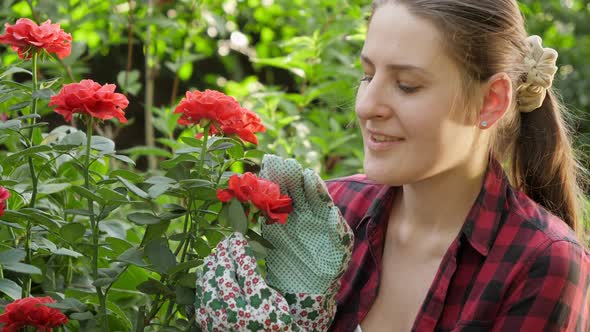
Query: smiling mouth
x=384 y=139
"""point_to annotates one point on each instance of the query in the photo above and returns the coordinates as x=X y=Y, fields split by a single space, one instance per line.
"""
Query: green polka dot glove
x=232 y=296
x=312 y=250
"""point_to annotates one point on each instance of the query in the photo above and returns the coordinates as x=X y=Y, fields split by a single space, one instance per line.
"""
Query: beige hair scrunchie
x=540 y=64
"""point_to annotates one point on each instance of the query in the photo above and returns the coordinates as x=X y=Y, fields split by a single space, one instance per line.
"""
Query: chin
x=382 y=173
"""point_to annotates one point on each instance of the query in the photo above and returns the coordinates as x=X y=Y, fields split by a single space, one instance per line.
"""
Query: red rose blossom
x=4 y=195
x=26 y=37
x=224 y=111
x=264 y=194
x=31 y=312
x=89 y=97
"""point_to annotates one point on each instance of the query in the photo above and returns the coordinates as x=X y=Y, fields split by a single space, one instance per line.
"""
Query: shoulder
x=536 y=223
x=354 y=195
x=552 y=275
x=548 y=243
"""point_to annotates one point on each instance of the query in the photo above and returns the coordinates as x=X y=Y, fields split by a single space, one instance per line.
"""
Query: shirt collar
x=483 y=220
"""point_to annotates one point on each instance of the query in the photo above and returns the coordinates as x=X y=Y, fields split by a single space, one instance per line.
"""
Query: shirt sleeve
x=552 y=295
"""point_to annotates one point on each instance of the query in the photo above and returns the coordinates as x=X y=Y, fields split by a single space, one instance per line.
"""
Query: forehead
x=398 y=36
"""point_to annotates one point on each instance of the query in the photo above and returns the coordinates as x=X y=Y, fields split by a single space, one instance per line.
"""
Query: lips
x=384 y=138
x=379 y=142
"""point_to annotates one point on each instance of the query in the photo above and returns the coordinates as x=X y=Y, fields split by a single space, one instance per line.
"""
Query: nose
x=373 y=100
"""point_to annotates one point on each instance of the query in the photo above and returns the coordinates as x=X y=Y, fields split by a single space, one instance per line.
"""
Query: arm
x=552 y=295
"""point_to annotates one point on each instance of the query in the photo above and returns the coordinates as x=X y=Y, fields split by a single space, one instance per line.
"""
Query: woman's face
x=409 y=102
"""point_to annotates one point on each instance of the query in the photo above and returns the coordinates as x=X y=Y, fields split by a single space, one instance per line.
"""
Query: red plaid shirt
x=513 y=266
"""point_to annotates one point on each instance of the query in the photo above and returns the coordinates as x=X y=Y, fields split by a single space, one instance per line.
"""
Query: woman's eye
x=408 y=88
x=366 y=78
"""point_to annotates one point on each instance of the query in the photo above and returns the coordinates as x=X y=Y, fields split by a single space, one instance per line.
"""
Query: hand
x=312 y=250
x=232 y=296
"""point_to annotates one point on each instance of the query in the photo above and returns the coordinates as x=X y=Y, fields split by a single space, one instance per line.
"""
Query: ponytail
x=544 y=165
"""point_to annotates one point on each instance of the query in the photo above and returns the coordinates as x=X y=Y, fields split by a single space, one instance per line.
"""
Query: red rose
x=26 y=37
x=31 y=312
x=4 y=195
x=262 y=193
x=89 y=97
x=224 y=111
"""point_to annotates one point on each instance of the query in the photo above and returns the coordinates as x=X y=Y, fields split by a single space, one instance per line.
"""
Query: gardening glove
x=312 y=249
x=232 y=296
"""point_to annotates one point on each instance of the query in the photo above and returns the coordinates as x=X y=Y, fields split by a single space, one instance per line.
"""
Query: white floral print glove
x=232 y=296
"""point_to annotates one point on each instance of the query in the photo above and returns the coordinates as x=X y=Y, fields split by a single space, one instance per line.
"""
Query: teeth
x=381 y=138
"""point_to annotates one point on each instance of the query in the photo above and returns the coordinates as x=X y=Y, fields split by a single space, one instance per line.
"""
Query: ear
x=497 y=100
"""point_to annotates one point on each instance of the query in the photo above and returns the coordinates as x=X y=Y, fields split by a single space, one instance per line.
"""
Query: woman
x=443 y=239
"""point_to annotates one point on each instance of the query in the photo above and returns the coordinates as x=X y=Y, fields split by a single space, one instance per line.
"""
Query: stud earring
x=484 y=124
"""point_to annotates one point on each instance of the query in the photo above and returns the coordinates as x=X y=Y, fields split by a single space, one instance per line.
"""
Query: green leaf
x=10 y=288
x=116 y=245
x=153 y=287
x=48 y=220
x=28 y=116
x=14 y=70
x=120 y=315
x=202 y=248
x=102 y=144
x=111 y=195
x=43 y=94
x=88 y=194
x=66 y=252
x=19 y=106
x=12 y=256
x=11 y=124
x=52 y=188
x=185 y=266
x=16 y=85
x=158 y=190
x=258 y=238
x=155 y=231
x=123 y=158
x=138 y=151
x=11 y=225
x=160 y=256
x=76 y=138
x=185 y=296
x=160 y=180
x=87 y=315
x=133 y=256
x=255 y=155
x=22 y=268
x=79 y=212
x=259 y=250
x=72 y=232
x=188 y=150
x=237 y=217
x=32 y=151
x=192 y=141
x=133 y=188
x=68 y=304
x=102 y=282
x=128 y=175
x=133 y=86
x=142 y=218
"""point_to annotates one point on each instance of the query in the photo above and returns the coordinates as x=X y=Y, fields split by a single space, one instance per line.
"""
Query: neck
x=441 y=203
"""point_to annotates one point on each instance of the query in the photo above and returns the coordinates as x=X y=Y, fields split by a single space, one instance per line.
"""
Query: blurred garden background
x=293 y=62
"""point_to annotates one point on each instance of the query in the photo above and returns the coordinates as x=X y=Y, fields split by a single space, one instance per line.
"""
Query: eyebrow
x=397 y=67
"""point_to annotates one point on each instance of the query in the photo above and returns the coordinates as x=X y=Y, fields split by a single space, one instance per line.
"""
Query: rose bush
x=4 y=196
x=27 y=38
x=82 y=221
x=31 y=312
x=88 y=97
x=223 y=112
x=263 y=194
